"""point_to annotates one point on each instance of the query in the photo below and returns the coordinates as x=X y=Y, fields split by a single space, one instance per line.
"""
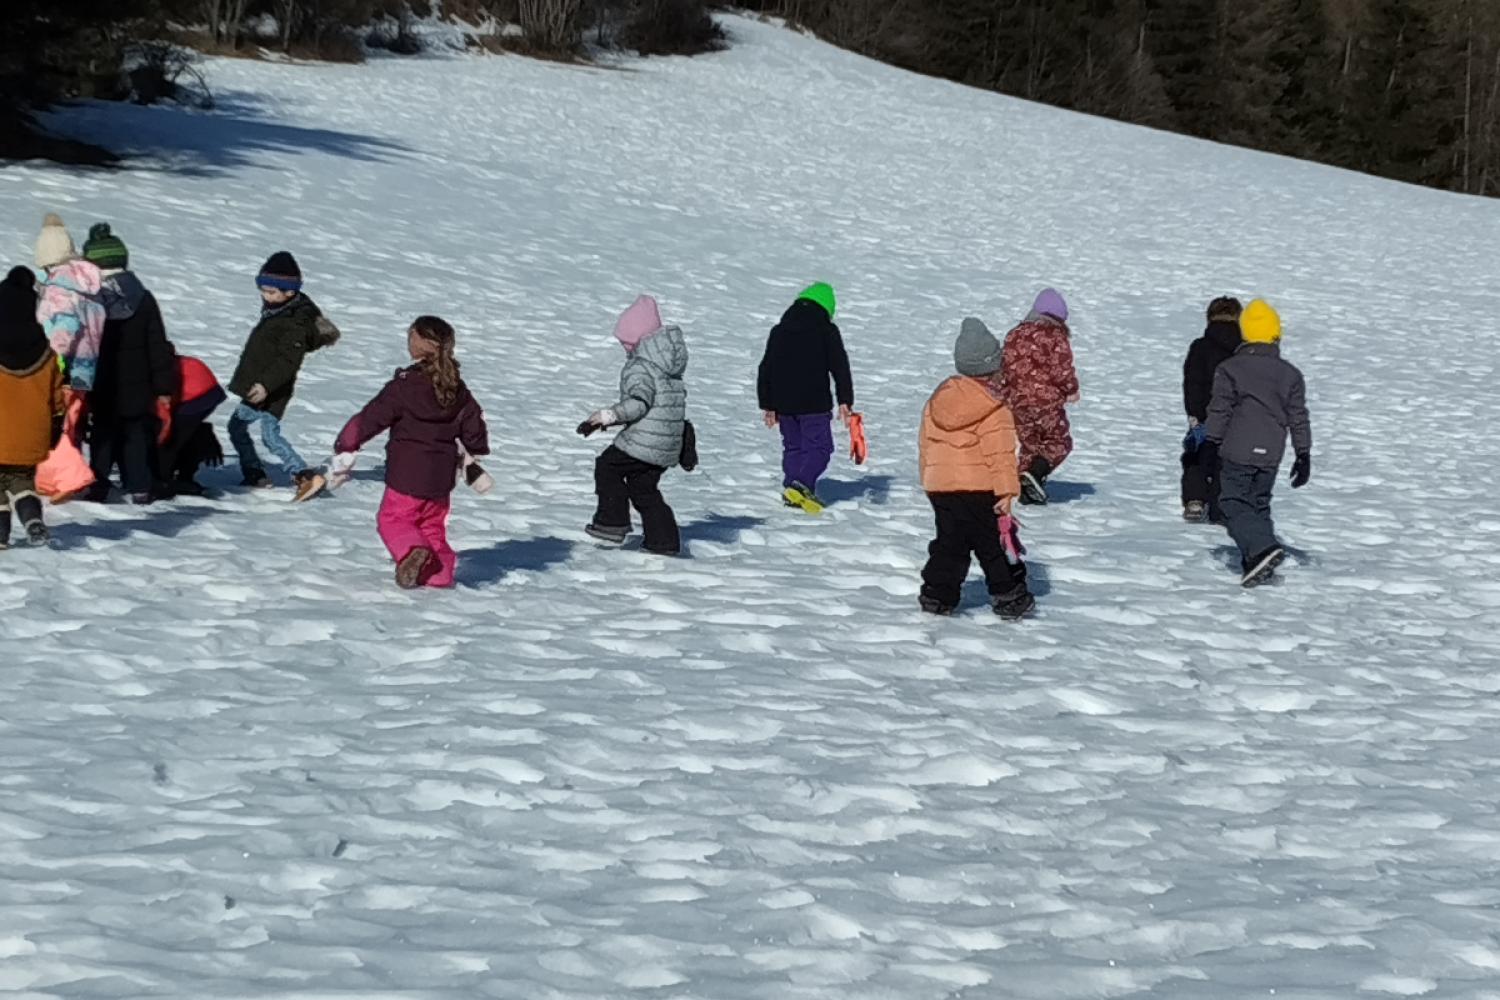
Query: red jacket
x=1038 y=373
x=196 y=379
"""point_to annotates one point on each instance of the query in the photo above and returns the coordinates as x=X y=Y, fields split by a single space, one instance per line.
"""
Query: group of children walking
x=84 y=357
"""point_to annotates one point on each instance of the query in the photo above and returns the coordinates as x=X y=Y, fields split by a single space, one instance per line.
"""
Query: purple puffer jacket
x=421 y=458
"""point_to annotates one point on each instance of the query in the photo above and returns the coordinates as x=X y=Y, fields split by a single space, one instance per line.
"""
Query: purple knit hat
x=1050 y=303
x=638 y=322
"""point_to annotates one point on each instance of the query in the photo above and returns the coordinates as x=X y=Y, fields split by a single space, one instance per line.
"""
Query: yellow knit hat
x=1259 y=323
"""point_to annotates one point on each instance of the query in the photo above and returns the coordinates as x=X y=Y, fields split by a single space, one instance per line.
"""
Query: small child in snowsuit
x=429 y=412
x=968 y=461
x=1039 y=383
x=69 y=307
x=804 y=350
x=131 y=403
x=291 y=327
x=1257 y=398
x=1217 y=345
x=190 y=438
x=653 y=411
x=32 y=401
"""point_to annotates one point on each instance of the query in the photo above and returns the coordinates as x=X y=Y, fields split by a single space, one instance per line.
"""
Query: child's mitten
x=340 y=469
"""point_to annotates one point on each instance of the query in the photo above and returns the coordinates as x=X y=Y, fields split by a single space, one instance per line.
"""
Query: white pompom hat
x=54 y=246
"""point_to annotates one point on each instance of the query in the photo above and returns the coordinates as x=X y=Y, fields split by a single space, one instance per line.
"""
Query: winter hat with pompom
x=640 y=321
x=1260 y=324
x=977 y=352
x=54 y=246
x=104 y=249
x=1051 y=303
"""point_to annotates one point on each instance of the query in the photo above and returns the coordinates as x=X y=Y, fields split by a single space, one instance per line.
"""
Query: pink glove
x=1010 y=536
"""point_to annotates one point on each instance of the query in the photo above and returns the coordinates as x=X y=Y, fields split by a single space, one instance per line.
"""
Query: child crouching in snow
x=968 y=461
x=653 y=411
x=429 y=411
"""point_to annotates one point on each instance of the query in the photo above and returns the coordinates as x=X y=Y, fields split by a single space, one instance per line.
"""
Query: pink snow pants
x=409 y=522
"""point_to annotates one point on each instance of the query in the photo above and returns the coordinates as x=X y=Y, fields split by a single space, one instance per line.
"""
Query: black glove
x=1301 y=470
x=1208 y=456
x=587 y=427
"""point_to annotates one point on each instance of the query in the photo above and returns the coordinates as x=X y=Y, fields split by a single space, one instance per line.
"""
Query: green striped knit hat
x=104 y=249
x=822 y=294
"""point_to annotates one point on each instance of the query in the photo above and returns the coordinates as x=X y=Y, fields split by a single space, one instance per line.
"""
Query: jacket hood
x=1263 y=350
x=75 y=276
x=805 y=313
x=1046 y=319
x=122 y=293
x=1224 y=334
x=963 y=401
x=22 y=340
x=420 y=399
x=666 y=349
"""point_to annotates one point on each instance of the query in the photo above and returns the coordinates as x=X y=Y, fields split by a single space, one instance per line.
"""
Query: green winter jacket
x=273 y=354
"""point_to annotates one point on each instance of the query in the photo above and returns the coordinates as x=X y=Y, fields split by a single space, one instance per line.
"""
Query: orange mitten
x=859 y=448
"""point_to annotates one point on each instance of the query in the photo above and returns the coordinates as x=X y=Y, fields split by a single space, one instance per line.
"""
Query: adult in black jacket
x=804 y=351
x=137 y=376
x=1217 y=345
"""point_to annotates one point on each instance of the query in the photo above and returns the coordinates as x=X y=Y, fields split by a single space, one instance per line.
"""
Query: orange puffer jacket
x=968 y=440
x=29 y=400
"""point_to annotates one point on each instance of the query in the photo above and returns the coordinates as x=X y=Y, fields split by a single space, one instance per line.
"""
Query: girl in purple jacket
x=429 y=411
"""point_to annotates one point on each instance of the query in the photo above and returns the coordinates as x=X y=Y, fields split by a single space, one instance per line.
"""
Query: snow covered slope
x=237 y=762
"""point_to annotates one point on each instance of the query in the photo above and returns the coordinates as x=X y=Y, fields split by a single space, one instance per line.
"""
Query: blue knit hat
x=280 y=271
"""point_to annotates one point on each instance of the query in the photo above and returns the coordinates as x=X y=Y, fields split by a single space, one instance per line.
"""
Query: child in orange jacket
x=968 y=461
x=31 y=406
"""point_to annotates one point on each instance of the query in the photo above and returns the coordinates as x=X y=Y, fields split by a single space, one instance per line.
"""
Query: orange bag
x=859 y=448
x=64 y=472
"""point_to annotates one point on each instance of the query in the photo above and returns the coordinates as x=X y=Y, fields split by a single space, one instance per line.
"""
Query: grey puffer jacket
x=653 y=399
x=1257 y=398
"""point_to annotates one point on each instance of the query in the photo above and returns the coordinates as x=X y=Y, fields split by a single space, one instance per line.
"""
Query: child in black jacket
x=1217 y=345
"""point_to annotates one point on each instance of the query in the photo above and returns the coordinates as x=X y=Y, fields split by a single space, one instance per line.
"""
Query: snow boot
x=933 y=606
x=97 y=493
x=4 y=530
x=308 y=483
x=412 y=567
x=1261 y=568
x=255 y=479
x=1014 y=605
x=1195 y=512
x=1034 y=482
x=28 y=510
x=657 y=550
x=607 y=534
x=797 y=495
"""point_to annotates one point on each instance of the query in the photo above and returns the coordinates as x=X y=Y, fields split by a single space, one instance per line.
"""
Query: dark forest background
x=1407 y=89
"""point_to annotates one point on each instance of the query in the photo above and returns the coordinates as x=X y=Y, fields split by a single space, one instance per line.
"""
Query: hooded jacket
x=137 y=363
x=968 y=442
x=653 y=399
x=1039 y=373
x=1257 y=399
x=1217 y=345
x=421 y=457
x=273 y=355
x=73 y=316
x=803 y=351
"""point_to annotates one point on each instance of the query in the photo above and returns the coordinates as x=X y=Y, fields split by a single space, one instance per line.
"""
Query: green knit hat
x=104 y=249
x=822 y=294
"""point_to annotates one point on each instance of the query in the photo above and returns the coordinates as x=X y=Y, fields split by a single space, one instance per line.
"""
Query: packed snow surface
x=238 y=762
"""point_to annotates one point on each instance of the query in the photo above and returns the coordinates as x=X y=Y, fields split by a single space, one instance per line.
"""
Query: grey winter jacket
x=653 y=399
x=1257 y=398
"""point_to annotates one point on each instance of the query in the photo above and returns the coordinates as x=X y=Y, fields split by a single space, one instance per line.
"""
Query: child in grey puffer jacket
x=653 y=411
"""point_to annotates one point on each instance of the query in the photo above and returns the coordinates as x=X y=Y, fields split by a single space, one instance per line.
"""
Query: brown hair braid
x=440 y=366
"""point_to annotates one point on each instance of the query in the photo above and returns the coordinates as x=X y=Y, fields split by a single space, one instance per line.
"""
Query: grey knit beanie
x=977 y=352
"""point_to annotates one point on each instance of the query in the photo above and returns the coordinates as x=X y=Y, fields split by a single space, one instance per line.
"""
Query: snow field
x=240 y=763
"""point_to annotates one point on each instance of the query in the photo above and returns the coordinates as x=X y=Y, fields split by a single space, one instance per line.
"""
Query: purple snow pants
x=806 y=448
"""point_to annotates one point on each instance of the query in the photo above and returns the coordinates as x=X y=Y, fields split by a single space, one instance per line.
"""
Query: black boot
x=28 y=511
x=1014 y=605
x=4 y=529
x=1034 y=482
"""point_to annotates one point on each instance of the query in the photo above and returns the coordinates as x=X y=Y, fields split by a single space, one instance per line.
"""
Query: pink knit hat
x=638 y=322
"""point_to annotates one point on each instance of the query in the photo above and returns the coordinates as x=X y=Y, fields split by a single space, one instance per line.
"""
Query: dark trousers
x=179 y=458
x=127 y=442
x=1245 y=499
x=622 y=481
x=967 y=525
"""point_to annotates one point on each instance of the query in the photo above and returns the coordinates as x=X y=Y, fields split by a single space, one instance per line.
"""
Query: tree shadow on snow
x=724 y=529
x=1068 y=492
x=159 y=521
x=876 y=489
x=208 y=143
x=478 y=567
